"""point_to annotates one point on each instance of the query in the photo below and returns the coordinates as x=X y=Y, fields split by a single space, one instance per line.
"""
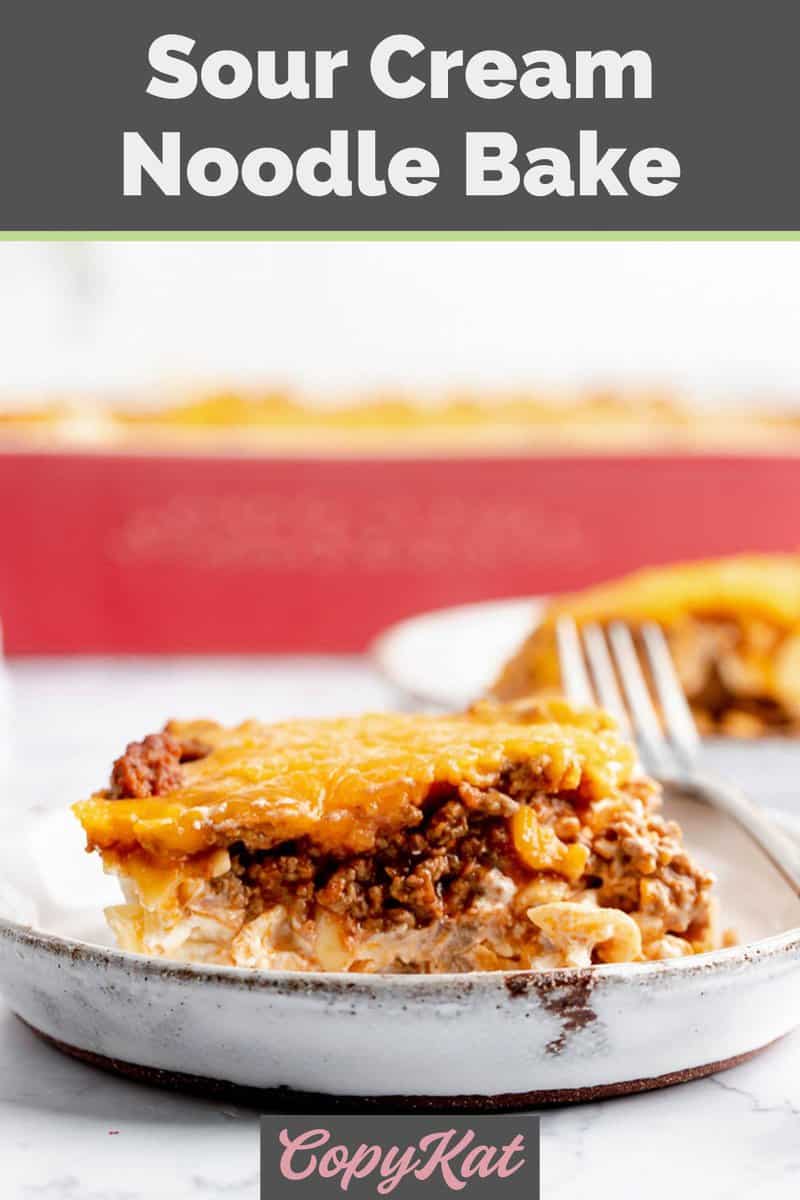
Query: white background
x=710 y=318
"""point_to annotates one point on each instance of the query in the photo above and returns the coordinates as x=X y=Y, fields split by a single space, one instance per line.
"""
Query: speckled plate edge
x=547 y=988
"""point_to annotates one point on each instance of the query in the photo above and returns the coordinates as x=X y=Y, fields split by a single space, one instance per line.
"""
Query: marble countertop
x=70 y=1132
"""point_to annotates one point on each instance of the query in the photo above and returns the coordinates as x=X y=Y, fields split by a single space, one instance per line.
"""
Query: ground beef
x=147 y=768
x=415 y=877
x=491 y=803
x=445 y=865
x=629 y=854
x=152 y=767
x=561 y=812
x=353 y=891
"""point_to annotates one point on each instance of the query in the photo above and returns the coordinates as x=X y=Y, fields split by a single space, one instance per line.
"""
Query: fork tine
x=652 y=743
x=677 y=714
x=605 y=681
x=573 y=670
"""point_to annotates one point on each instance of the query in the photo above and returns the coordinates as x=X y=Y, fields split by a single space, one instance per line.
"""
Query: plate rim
x=378 y=648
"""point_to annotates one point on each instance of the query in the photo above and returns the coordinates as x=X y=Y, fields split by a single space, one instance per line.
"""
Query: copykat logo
x=435 y=1156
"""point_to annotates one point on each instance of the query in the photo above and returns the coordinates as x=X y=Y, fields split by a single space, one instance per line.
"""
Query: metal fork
x=604 y=668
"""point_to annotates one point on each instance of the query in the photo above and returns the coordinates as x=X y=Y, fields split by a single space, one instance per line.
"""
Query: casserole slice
x=510 y=836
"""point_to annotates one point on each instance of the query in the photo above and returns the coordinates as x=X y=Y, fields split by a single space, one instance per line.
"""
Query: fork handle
x=782 y=851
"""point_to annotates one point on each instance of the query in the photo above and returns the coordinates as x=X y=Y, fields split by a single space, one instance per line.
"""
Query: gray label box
x=314 y=1157
x=74 y=77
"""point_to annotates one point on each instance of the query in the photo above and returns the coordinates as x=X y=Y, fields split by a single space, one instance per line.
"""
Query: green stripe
x=400 y=235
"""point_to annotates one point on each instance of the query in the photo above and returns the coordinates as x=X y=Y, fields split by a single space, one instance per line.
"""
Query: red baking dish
x=147 y=552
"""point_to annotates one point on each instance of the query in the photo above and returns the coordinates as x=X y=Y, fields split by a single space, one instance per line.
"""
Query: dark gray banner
x=548 y=115
x=319 y=1157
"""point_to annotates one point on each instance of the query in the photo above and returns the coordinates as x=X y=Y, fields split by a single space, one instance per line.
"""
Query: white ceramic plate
x=450 y=656
x=480 y=1040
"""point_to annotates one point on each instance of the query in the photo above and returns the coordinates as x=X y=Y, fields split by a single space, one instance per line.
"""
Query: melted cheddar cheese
x=343 y=782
